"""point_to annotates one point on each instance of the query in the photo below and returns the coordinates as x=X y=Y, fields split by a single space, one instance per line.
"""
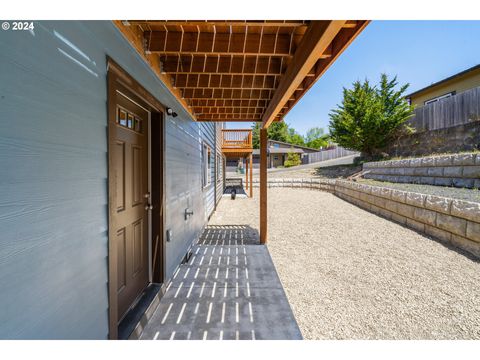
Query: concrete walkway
x=228 y=290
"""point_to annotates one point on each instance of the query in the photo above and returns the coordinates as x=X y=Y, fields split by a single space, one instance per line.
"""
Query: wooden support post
x=263 y=186
x=246 y=174
x=251 y=175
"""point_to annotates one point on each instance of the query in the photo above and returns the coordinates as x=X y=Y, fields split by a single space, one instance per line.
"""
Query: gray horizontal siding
x=219 y=164
x=53 y=188
x=208 y=136
x=184 y=186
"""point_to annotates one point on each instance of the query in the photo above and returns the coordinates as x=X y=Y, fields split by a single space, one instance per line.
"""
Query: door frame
x=117 y=76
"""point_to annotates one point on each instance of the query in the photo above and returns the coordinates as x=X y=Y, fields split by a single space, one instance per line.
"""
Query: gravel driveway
x=350 y=274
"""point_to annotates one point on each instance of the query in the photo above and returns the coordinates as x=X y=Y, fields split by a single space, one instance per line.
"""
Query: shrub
x=293 y=159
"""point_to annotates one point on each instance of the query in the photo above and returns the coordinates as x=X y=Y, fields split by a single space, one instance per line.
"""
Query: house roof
x=293 y=145
x=240 y=70
x=462 y=73
x=273 y=150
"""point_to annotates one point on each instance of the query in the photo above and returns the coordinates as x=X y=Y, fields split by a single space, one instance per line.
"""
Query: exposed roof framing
x=240 y=70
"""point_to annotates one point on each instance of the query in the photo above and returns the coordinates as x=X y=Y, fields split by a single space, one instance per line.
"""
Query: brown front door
x=129 y=162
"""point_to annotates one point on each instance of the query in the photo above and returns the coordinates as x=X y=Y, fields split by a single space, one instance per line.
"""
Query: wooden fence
x=456 y=110
x=324 y=155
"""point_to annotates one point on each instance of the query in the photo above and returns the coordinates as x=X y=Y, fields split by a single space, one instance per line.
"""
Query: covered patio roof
x=232 y=70
x=240 y=70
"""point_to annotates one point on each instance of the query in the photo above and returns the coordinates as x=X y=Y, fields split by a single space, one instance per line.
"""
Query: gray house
x=278 y=151
x=111 y=158
x=66 y=156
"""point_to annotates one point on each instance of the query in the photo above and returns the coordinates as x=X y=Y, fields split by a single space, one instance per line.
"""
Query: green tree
x=293 y=159
x=294 y=137
x=314 y=133
x=316 y=138
x=371 y=117
x=278 y=130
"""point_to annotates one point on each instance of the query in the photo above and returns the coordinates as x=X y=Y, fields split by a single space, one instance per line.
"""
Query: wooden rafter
x=135 y=38
x=207 y=23
x=227 y=70
x=316 y=40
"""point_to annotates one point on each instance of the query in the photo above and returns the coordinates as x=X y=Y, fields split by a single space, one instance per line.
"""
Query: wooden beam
x=216 y=64
x=233 y=86
x=263 y=185
x=246 y=173
x=247 y=72
x=350 y=24
x=225 y=111
x=316 y=40
x=229 y=103
x=219 y=43
x=135 y=38
x=343 y=39
x=261 y=23
x=226 y=119
x=251 y=175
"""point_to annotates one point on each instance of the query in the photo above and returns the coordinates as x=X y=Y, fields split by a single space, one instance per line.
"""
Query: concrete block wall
x=455 y=222
x=458 y=170
x=314 y=184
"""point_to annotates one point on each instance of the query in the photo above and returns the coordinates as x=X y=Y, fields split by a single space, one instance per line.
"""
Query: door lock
x=148 y=207
x=188 y=213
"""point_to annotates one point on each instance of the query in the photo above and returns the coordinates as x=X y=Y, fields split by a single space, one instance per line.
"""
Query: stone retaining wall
x=455 y=222
x=316 y=184
x=459 y=170
x=465 y=137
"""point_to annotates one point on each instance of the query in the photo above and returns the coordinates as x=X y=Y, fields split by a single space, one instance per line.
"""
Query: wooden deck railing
x=237 y=139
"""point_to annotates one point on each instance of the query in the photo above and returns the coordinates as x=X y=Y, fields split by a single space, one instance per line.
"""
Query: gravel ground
x=330 y=172
x=350 y=274
x=451 y=192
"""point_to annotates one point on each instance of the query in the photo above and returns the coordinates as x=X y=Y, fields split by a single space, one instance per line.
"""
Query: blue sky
x=419 y=52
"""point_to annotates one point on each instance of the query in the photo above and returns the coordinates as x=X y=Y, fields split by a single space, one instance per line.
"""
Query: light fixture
x=171 y=112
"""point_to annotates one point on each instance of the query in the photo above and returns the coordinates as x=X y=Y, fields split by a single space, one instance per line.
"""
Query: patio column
x=246 y=173
x=263 y=186
x=251 y=175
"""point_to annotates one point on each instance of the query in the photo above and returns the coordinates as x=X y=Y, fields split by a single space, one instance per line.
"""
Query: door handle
x=148 y=207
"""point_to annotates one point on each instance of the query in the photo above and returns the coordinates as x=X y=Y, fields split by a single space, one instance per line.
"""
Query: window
x=219 y=168
x=128 y=120
x=444 y=96
x=206 y=165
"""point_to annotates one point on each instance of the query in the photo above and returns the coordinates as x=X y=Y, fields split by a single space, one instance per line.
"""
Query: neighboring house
x=446 y=117
x=460 y=82
x=278 y=151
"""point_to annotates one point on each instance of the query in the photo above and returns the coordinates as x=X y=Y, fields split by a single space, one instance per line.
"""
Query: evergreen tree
x=370 y=118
